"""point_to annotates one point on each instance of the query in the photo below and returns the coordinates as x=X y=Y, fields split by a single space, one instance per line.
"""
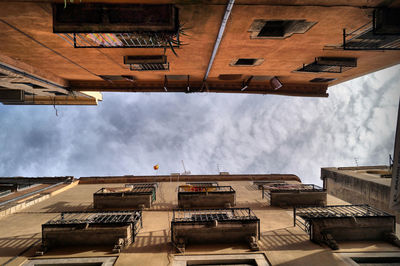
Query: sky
x=128 y=133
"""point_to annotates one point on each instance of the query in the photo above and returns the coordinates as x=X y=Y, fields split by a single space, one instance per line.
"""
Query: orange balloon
x=156 y=167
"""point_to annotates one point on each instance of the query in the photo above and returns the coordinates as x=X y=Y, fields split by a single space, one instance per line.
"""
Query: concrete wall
x=298 y=199
x=358 y=188
x=226 y=232
x=365 y=228
x=121 y=201
x=61 y=236
x=193 y=200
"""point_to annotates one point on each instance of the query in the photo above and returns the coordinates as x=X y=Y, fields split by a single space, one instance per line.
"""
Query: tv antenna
x=184 y=169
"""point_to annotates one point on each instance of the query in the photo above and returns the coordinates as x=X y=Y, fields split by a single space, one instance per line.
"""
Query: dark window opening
x=322 y=80
x=34 y=86
x=245 y=62
x=116 y=77
x=57 y=93
x=376 y=260
x=230 y=76
x=28 y=93
x=274 y=28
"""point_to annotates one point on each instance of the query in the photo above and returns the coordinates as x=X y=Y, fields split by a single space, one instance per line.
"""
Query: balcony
x=330 y=65
x=117 y=25
x=91 y=229
x=346 y=223
x=206 y=196
x=134 y=197
x=236 y=225
x=382 y=33
x=261 y=183
x=284 y=195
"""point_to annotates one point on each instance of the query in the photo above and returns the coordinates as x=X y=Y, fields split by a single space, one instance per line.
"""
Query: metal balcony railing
x=122 y=40
x=96 y=218
x=267 y=189
x=364 y=38
x=378 y=34
x=205 y=189
x=207 y=215
x=329 y=65
x=302 y=217
x=203 y=183
x=136 y=190
x=134 y=185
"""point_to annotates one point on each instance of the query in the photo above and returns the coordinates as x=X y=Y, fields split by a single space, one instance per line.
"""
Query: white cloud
x=129 y=133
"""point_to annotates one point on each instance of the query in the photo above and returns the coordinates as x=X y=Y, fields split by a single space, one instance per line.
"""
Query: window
x=247 y=62
x=57 y=93
x=95 y=261
x=370 y=258
x=230 y=76
x=254 y=259
x=117 y=77
x=262 y=29
x=317 y=80
x=34 y=86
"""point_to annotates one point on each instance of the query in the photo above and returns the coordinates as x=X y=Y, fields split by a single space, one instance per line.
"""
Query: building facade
x=360 y=185
x=53 y=53
x=54 y=221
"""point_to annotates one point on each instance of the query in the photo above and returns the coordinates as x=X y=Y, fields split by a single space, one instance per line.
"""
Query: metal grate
x=122 y=40
x=205 y=189
x=149 y=67
x=303 y=216
x=97 y=218
x=203 y=184
x=142 y=185
x=206 y=215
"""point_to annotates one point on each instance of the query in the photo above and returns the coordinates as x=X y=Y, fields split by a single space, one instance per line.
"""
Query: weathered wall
x=118 y=201
x=75 y=236
x=208 y=233
x=357 y=190
x=365 y=228
x=190 y=200
x=298 y=199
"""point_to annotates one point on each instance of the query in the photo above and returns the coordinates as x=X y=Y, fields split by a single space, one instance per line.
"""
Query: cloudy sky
x=129 y=133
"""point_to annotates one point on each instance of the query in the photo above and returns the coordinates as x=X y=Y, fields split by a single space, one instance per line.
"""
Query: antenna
x=184 y=169
x=356 y=160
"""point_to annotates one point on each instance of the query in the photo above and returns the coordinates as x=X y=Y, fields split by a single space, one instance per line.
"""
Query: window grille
x=205 y=189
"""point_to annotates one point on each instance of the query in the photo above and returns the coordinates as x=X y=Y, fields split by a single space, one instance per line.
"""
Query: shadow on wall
x=64 y=206
x=286 y=239
x=151 y=242
x=14 y=245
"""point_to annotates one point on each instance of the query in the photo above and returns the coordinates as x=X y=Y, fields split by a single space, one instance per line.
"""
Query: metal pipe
x=219 y=37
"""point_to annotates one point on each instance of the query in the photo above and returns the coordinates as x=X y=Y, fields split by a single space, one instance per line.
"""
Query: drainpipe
x=219 y=38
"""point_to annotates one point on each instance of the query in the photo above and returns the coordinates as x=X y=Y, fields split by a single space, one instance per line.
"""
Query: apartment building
x=68 y=53
x=189 y=220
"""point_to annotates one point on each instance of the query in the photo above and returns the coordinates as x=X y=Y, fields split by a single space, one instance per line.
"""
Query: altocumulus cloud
x=129 y=133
